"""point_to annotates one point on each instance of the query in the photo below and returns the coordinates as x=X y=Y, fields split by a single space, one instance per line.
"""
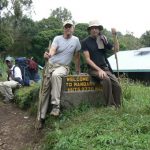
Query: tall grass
x=3 y=73
x=99 y=128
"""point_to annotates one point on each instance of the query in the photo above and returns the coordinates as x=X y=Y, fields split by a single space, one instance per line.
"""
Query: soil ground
x=17 y=130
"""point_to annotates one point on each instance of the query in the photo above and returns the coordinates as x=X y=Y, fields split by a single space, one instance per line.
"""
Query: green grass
x=96 y=128
x=99 y=128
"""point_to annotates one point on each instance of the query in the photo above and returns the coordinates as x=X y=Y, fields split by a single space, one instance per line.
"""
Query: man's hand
x=102 y=74
x=47 y=55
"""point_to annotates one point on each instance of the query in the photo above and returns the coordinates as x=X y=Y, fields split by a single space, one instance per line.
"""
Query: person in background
x=14 y=80
x=58 y=59
x=94 y=49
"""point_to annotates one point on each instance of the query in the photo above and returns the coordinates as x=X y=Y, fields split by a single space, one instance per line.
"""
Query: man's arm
x=77 y=62
x=77 y=57
x=101 y=73
x=51 y=52
x=52 y=48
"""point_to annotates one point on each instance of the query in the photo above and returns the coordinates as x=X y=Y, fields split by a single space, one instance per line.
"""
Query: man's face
x=94 y=31
x=68 y=30
x=9 y=64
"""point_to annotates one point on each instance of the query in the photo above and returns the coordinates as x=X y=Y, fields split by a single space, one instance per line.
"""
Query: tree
x=50 y=23
x=81 y=30
x=5 y=41
x=145 y=39
x=62 y=14
x=129 y=42
x=40 y=43
x=24 y=36
x=15 y=7
x=3 y=5
x=6 y=34
x=14 y=11
x=12 y=24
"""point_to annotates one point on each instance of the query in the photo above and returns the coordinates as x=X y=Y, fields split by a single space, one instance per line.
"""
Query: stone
x=1 y=143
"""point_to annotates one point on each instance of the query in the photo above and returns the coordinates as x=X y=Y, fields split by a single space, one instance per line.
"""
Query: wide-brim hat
x=95 y=23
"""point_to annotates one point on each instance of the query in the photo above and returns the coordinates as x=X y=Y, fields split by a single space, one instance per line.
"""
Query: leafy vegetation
x=21 y=36
x=104 y=128
x=27 y=97
x=145 y=39
x=2 y=71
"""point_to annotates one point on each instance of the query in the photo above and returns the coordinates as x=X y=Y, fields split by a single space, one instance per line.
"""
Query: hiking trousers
x=6 y=88
x=51 y=87
x=111 y=88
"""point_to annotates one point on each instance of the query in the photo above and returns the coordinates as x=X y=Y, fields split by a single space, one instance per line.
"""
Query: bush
x=27 y=97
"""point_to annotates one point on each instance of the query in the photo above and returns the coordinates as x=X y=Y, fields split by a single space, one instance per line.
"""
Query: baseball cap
x=8 y=58
x=68 y=22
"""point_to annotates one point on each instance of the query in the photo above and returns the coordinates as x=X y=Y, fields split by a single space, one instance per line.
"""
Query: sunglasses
x=68 y=26
x=94 y=27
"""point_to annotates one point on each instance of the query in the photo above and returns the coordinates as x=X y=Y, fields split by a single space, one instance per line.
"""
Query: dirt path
x=17 y=129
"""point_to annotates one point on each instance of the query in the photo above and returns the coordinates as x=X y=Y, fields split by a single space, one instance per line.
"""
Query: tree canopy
x=20 y=35
x=62 y=14
x=145 y=39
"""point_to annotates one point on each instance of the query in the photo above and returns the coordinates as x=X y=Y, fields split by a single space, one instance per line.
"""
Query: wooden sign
x=80 y=83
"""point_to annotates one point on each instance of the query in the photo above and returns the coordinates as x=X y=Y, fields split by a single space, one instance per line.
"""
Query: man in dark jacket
x=94 y=49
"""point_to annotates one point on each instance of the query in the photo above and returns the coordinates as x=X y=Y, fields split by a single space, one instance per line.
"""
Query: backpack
x=33 y=66
x=22 y=63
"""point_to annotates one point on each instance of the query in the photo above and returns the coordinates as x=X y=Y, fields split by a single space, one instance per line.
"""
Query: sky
x=125 y=15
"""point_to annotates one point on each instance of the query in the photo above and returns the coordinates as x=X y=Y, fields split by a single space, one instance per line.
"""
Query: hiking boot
x=55 y=111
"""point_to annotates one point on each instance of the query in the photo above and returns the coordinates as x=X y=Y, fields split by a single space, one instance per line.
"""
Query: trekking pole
x=41 y=88
x=116 y=48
